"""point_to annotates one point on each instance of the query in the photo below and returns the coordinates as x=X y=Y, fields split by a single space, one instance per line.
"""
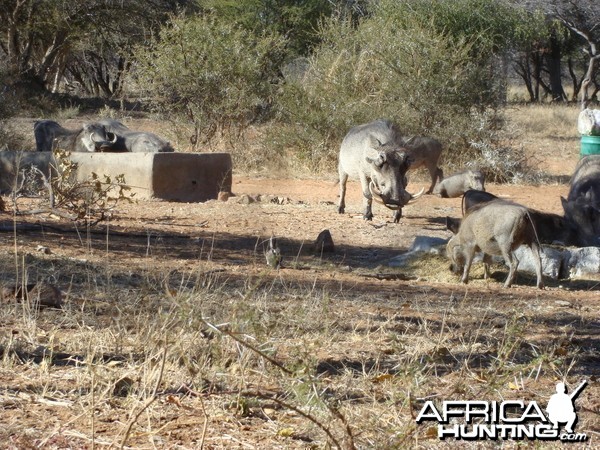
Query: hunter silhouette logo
x=561 y=407
x=508 y=419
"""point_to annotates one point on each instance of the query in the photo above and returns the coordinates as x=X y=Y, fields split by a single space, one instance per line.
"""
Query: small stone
x=44 y=250
x=245 y=199
x=42 y=294
x=324 y=243
x=223 y=196
x=563 y=303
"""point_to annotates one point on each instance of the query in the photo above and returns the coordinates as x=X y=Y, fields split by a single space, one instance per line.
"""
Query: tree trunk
x=587 y=80
x=554 y=69
x=574 y=79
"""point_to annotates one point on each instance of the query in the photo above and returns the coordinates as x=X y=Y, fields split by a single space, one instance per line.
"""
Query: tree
x=90 y=41
x=579 y=22
x=296 y=20
x=210 y=72
x=428 y=65
x=583 y=19
x=538 y=56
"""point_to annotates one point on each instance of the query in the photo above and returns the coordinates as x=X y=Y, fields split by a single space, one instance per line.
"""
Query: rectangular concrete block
x=182 y=177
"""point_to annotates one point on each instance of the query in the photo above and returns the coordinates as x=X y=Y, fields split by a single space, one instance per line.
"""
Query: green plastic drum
x=590 y=145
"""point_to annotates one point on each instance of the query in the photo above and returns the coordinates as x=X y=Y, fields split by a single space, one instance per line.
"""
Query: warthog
x=91 y=137
x=550 y=228
x=582 y=205
x=135 y=141
x=372 y=154
x=457 y=184
x=494 y=228
x=425 y=152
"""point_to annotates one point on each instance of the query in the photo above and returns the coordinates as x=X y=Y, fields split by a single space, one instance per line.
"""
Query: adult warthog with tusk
x=90 y=137
x=373 y=153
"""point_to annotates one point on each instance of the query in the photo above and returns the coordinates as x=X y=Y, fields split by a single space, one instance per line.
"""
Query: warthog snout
x=391 y=201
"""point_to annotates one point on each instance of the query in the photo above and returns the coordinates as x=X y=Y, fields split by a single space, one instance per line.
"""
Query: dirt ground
x=231 y=236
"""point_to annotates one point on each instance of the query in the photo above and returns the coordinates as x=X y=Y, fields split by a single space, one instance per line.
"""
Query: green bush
x=210 y=73
x=397 y=65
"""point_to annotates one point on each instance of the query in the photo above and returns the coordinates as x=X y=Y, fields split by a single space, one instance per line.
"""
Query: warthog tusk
x=372 y=188
x=376 y=195
x=114 y=138
x=416 y=196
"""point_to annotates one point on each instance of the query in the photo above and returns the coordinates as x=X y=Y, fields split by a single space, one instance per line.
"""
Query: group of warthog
x=105 y=135
x=380 y=157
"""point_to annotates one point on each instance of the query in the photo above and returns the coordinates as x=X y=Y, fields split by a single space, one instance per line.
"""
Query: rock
x=123 y=387
x=273 y=254
x=44 y=250
x=552 y=261
x=421 y=244
x=427 y=244
x=324 y=243
x=588 y=122
x=563 y=303
x=282 y=201
x=583 y=261
x=223 y=196
x=267 y=198
x=42 y=294
x=245 y=199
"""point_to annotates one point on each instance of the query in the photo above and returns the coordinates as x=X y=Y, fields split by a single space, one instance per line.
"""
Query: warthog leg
x=535 y=249
x=488 y=260
x=343 y=180
x=436 y=176
x=513 y=263
x=469 y=253
x=367 y=198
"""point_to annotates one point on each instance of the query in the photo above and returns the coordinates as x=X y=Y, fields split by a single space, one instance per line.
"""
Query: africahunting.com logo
x=508 y=419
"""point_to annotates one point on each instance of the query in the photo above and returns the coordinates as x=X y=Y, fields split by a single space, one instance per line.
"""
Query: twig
x=306 y=415
x=151 y=400
x=336 y=413
x=251 y=347
x=47 y=184
x=205 y=426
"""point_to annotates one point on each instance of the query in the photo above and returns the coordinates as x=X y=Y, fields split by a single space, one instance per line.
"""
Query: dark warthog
x=582 y=205
x=135 y=141
x=550 y=228
x=425 y=152
x=91 y=137
x=457 y=184
x=372 y=154
x=494 y=228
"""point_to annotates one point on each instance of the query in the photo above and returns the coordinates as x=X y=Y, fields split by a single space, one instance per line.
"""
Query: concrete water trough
x=182 y=177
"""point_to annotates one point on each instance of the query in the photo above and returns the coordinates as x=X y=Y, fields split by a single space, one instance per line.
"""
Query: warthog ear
x=375 y=143
x=564 y=203
x=452 y=224
x=378 y=161
x=404 y=157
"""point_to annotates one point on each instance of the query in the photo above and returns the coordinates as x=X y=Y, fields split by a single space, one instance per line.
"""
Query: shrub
x=396 y=66
x=210 y=73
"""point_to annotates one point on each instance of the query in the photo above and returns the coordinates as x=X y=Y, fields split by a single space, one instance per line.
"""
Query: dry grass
x=187 y=340
x=189 y=353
